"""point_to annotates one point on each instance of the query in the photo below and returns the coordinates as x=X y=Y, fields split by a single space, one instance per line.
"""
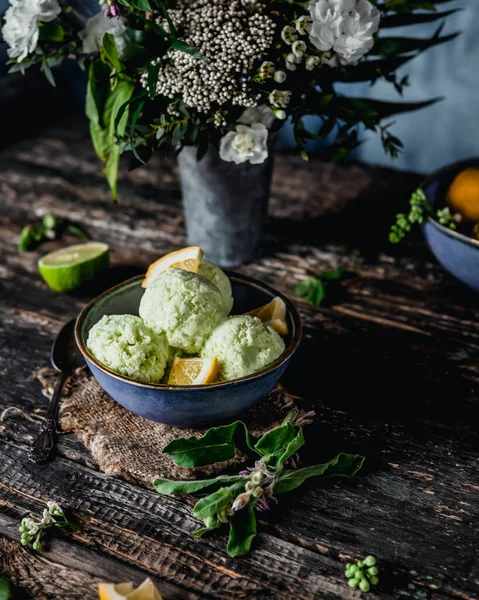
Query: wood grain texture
x=390 y=365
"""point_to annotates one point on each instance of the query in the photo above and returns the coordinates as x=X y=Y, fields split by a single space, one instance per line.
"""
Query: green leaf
x=333 y=275
x=214 y=503
x=179 y=132
x=104 y=137
x=97 y=91
x=5 y=589
x=213 y=523
x=312 y=289
x=48 y=73
x=52 y=31
x=406 y=19
x=186 y=48
x=153 y=71
x=388 y=46
x=216 y=445
x=242 y=530
x=342 y=465
x=293 y=446
x=166 y=486
x=141 y=4
x=109 y=52
x=276 y=440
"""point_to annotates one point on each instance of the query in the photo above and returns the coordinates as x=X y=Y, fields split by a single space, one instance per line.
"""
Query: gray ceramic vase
x=225 y=205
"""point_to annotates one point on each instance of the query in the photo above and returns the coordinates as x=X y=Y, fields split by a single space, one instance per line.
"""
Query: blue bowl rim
x=239 y=277
x=461 y=237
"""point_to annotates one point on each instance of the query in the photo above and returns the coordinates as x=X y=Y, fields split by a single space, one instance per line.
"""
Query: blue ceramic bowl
x=183 y=406
x=458 y=253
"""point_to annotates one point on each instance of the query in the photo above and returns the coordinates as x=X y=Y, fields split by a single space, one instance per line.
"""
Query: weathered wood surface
x=391 y=367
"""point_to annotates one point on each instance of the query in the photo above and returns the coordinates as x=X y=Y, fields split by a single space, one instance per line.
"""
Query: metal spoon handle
x=45 y=441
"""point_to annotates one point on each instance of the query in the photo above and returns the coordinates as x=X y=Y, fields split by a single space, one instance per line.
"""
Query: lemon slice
x=463 y=195
x=126 y=591
x=65 y=269
x=114 y=591
x=146 y=591
x=188 y=259
x=193 y=371
x=273 y=314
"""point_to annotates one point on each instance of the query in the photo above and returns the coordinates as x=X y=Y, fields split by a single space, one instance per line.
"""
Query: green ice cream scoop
x=220 y=279
x=185 y=306
x=127 y=346
x=243 y=345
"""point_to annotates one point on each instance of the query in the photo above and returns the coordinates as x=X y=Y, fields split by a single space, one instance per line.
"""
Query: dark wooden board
x=390 y=365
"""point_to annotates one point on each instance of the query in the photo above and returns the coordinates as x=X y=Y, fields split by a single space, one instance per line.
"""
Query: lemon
x=65 y=269
x=273 y=314
x=126 y=591
x=188 y=259
x=193 y=371
x=463 y=195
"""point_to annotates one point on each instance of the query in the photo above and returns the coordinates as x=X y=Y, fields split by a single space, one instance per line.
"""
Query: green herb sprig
x=53 y=516
x=363 y=574
x=314 y=289
x=5 y=589
x=233 y=499
x=51 y=227
x=419 y=212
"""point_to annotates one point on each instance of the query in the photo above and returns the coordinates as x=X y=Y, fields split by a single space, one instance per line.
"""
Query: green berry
x=374 y=580
x=373 y=571
x=353 y=583
x=36 y=545
x=364 y=585
x=370 y=561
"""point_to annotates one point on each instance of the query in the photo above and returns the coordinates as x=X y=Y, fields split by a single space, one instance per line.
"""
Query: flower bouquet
x=222 y=75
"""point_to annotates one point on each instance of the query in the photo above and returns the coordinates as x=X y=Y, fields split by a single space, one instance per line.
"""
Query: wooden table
x=391 y=367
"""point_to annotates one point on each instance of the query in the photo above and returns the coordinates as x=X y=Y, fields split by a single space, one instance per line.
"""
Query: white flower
x=95 y=29
x=346 y=26
x=266 y=70
x=280 y=99
x=280 y=114
x=54 y=508
x=302 y=24
x=294 y=59
x=298 y=48
x=289 y=35
x=246 y=144
x=20 y=30
x=290 y=66
x=280 y=76
x=257 y=114
x=312 y=62
x=29 y=526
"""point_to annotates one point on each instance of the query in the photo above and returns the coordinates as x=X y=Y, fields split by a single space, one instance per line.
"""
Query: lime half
x=68 y=268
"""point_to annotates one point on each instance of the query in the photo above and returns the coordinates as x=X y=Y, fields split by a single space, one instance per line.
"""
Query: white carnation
x=246 y=144
x=95 y=29
x=257 y=114
x=20 y=30
x=345 y=26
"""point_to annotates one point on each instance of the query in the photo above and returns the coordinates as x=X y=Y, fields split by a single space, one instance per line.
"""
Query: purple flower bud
x=240 y=502
x=115 y=10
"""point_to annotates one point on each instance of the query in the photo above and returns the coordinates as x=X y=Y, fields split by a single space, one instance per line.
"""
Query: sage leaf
x=186 y=48
x=242 y=530
x=275 y=440
x=214 y=503
x=109 y=52
x=332 y=275
x=216 y=445
x=293 y=446
x=342 y=465
x=5 y=589
x=166 y=486
x=211 y=523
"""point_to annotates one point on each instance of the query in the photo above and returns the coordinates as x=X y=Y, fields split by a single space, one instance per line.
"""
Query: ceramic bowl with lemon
x=456 y=186
x=188 y=345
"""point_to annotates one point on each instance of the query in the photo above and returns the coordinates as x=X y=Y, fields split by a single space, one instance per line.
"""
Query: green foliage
x=363 y=574
x=53 y=518
x=51 y=227
x=232 y=499
x=314 y=288
x=5 y=589
x=420 y=210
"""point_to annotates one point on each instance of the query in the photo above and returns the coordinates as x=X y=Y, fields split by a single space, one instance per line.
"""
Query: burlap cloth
x=127 y=445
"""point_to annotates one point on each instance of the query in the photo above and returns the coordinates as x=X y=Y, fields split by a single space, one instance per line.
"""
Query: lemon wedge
x=126 y=591
x=188 y=259
x=193 y=371
x=273 y=314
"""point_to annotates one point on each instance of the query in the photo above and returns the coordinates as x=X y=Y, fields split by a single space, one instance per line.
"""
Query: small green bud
x=249 y=486
x=370 y=561
x=373 y=571
x=360 y=564
x=353 y=569
x=348 y=573
x=25 y=539
x=256 y=478
x=36 y=545
x=353 y=583
x=348 y=565
x=364 y=585
x=258 y=492
x=374 y=580
x=50 y=221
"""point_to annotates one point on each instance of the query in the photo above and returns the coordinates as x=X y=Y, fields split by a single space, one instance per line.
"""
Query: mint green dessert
x=220 y=279
x=126 y=345
x=185 y=306
x=243 y=345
